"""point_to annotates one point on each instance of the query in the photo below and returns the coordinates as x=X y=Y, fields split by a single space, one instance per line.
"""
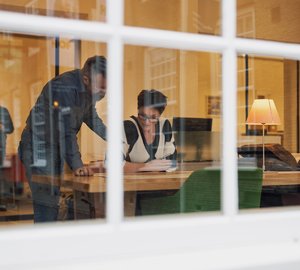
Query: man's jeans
x=45 y=199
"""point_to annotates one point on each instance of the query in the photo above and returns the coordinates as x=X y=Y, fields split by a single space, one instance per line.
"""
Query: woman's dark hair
x=152 y=98
x=95 y=64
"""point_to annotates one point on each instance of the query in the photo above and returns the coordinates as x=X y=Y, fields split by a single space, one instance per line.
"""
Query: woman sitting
x=148 y=139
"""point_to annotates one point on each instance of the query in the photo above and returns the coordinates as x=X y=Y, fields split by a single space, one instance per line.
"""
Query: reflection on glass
x=268 y=19
x=6 y=127
x=194 y=16
x=150 y=129
x=172 y=131
x=268 y=143
x=49 y=137
x=74 y=9
x=42 y=110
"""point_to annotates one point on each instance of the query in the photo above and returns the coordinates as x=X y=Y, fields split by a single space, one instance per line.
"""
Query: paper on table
x=172 y=169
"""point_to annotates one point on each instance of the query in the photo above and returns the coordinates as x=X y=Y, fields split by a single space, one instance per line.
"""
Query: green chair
x=202 y=192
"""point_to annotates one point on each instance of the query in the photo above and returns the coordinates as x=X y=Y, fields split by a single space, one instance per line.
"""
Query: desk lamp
x=263 y=112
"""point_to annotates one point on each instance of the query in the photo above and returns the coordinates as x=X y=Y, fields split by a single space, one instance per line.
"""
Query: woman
x=148 y=140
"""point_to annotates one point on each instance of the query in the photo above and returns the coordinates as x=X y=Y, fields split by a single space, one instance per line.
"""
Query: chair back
x=202 y=192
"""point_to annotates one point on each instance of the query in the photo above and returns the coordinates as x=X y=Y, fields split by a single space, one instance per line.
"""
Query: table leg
x=93 y=205
x=129 y=203
x=75 y=204
x=98 y=205
x=89 y=205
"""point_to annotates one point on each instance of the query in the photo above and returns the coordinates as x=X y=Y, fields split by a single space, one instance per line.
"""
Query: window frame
x=93 y=241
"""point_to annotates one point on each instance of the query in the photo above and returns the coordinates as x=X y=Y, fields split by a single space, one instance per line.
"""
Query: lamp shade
x=263 y=112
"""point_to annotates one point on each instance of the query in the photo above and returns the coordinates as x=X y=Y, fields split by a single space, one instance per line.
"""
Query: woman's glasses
x=152 y=118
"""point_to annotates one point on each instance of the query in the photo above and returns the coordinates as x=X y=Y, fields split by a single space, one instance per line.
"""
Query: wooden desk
x=132 y=182
x=151 y=180
x=96 y=185
x=281 y=189
x=288 y=178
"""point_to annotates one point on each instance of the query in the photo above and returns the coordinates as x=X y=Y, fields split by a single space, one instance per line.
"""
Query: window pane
x=43 y=139
x=194 y=16
x=94 y=10
x=268 y=101
x=172 y=156
x=269 y=20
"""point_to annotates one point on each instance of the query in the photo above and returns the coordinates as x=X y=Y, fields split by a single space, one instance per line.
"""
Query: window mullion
x=52 y=26
x=115 y=115
x=229 y=175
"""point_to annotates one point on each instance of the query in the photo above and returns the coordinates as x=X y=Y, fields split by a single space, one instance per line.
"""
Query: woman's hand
x=84 y=171
x=97 y=166
x=156 y=165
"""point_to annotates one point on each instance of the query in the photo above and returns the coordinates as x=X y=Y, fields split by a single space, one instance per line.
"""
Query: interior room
x=192 y=83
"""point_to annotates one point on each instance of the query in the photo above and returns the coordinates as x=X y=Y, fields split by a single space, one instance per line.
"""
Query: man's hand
x=84 y=171
x=1 y=127
x=156 y=165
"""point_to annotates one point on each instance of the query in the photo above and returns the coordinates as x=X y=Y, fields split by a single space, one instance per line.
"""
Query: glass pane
x=269 y=20
x=268 y=131
x=48 y=91
x=194 y=16
x=172 y=131
x=94 y=10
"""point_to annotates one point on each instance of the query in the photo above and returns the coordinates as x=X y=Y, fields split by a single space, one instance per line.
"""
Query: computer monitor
x=191 y=124
x=194 y=139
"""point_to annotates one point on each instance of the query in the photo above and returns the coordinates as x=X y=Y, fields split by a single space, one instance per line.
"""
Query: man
x=6 y=127
x=49 y=138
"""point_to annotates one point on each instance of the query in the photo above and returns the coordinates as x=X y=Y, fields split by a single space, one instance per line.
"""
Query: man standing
x=50 y=135
x=6 y=127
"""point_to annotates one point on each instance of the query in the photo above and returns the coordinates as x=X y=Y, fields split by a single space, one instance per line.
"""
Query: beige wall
x=155 y=14
x=197 y=77
x=269 y=82
x=92 y=147
x=134 y=78
x=25 y=66
x=290 y=105
x=266 y=78
x=196 y=16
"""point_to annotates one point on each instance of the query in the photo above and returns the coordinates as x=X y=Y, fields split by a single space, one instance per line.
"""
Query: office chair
x=202 y=192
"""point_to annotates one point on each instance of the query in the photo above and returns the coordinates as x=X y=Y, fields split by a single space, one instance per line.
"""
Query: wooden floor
x=21 y=212
x=18 y=211
x=14 y=223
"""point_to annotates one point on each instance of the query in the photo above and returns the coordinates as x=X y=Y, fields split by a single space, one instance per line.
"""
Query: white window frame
x=184 y=240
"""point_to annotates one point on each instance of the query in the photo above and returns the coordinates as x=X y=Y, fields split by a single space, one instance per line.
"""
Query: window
x=165 y=49
x=187 y=131
x=29 y=102
x=274 y=143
